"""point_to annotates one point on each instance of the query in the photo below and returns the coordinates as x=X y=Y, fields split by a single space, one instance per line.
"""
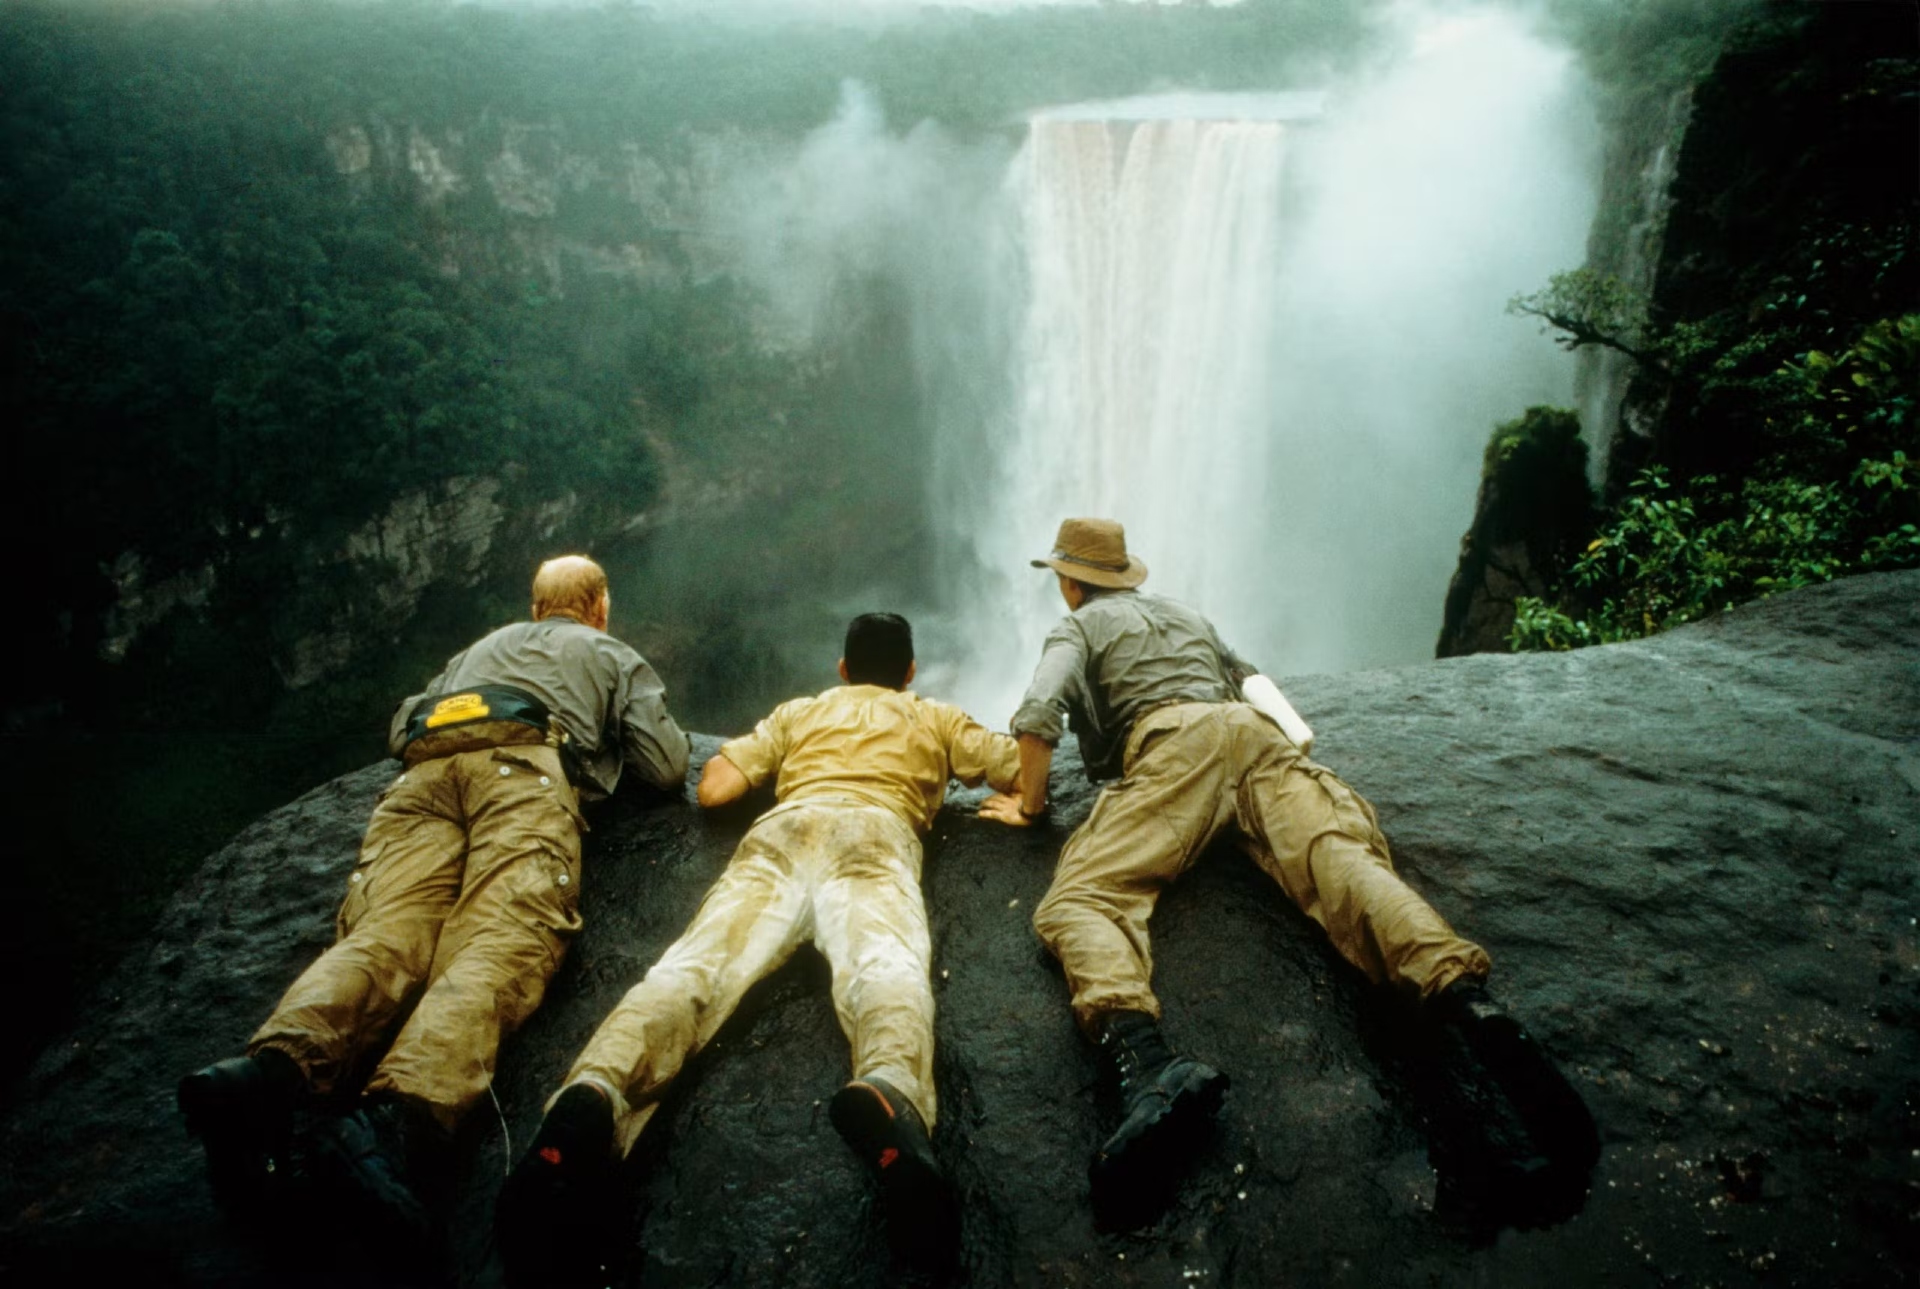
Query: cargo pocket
x=516 y=757
x=1150 y=729
x=549 y=891
x=543 y=767
x=354 y=906
x=1354 y=815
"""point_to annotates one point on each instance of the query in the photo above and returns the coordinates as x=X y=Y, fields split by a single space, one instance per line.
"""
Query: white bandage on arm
x=1266 y=698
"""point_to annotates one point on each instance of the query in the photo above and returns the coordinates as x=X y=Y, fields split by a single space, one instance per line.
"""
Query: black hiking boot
x=369 y=1163
x=242 y=1111
x=887 y=1132
x=557 y=1215
x=1553 y=1112
x=1166 y=1105
x=1524 y=1142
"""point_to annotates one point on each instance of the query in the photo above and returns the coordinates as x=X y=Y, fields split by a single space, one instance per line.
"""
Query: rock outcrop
x=1692 y=858
x=1533 y=514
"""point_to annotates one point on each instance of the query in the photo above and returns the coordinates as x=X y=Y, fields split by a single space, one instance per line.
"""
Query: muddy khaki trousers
x=1193 y=769
x=465 y=898
x=838 y=872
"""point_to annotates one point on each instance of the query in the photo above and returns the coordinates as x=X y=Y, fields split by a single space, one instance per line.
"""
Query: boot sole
x=243 y=1156
x=921 y=1226
x=372 y=1197
x=1554 y=1113
x=1165 y=1144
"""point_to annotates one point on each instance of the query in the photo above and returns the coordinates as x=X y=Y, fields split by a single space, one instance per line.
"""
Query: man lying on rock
x=859 y=773
x=1155 y=699
x=462 y=905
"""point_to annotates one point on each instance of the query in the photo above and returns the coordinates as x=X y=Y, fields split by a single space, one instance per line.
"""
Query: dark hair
x=879 y=650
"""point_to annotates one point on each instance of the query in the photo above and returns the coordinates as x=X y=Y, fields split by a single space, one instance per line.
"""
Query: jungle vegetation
x=1777 y=381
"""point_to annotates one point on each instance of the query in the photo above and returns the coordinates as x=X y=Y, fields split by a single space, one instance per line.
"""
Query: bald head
x=573 y=585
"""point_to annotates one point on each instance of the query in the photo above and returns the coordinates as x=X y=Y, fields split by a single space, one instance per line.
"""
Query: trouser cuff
x=447 y=1117
x=276 y=1054
x=1088 y=1015
x=600 y=1085
x=1445 y=978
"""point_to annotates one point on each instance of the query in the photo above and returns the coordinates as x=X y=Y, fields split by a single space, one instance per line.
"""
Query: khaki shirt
x=1120 y=655
x=605 y=696
x=885 y=747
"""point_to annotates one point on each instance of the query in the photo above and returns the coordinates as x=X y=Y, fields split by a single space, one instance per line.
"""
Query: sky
x=840 y=8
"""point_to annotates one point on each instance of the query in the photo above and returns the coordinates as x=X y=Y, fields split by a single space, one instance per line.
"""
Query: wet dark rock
x=1691 y=857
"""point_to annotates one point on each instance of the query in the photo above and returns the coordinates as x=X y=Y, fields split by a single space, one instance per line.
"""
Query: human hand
x=1004 y=807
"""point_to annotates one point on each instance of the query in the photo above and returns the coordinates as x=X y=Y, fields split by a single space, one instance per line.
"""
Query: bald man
x=461 y=907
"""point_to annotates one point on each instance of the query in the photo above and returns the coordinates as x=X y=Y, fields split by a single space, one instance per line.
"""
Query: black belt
x=463 y=707
x=450 y=723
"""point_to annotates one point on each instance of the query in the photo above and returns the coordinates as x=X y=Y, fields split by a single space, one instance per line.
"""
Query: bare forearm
x=1036 y=759
x=720 y=782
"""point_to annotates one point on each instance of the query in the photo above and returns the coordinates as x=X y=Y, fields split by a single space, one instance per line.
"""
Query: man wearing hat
x=1154 y=696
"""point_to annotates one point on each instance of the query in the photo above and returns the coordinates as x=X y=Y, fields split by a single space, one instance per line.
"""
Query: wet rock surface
x=1693 y=859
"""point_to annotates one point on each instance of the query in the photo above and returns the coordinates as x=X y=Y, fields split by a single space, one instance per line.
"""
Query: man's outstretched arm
x=1023 y=807
x=720 y=782
x=1038 y=725
x=650 y=740
x=744 y=763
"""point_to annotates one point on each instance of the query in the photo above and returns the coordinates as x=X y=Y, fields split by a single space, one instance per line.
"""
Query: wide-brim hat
x=1094 y=551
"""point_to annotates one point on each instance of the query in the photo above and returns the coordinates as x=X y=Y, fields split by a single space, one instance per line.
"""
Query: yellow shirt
x=887 y=747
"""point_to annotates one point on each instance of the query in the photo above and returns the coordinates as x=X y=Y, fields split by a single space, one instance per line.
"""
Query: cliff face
x=619 y=205
x=504 y=201
x=586 y=257
x=1760 y=221
x=449 y=537
x=1529 y=522
x=1691 y=858
x=1629 y=230
x=1795 y=183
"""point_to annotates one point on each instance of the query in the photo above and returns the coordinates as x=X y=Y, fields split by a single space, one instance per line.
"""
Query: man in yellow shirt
x=859 y=772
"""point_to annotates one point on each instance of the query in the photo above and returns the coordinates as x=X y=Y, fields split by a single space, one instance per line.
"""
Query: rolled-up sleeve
x=650 y=740
x=1057 y=684
x=976 y=753
x=758 y=755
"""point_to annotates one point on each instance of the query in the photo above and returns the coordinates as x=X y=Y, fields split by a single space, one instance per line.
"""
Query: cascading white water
x=1156 y=323
x=1604 y=374
x=1153 y=245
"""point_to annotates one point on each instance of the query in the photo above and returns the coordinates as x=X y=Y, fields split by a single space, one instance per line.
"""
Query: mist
x=1441 y=185
x=1310 y=493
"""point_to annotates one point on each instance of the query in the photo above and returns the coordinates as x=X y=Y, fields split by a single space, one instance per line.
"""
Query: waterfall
x=1271 y=340
x=1154 y=248
x=1152 y=231
x=1605 y=374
